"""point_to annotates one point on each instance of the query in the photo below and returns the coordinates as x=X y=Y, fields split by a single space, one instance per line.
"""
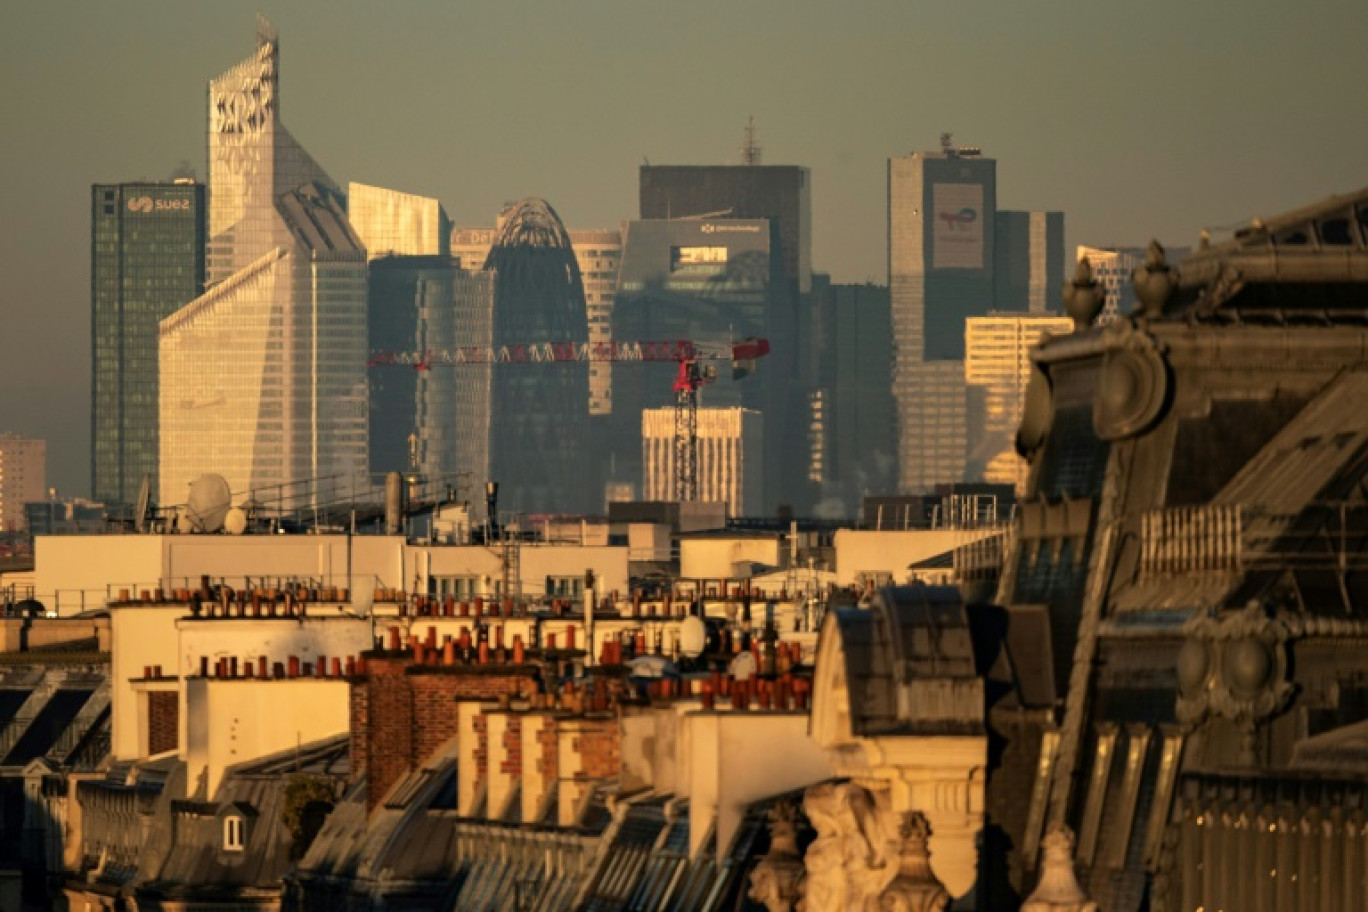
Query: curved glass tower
x=538 y=438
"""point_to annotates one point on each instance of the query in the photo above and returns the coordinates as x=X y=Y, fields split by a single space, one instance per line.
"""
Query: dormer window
x=234 y=833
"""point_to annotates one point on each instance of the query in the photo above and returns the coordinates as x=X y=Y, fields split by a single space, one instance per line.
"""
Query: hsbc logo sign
x=146 y=204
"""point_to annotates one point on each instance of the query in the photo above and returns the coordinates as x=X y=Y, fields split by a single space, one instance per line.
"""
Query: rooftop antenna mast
x=750 y=151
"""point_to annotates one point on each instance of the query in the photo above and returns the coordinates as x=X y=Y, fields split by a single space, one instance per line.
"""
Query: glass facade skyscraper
x=781 y=195
x=146 y=262
x=264 y=375
x=704 y=280
x=941 y=250
x=539 y=414
x=391 y=223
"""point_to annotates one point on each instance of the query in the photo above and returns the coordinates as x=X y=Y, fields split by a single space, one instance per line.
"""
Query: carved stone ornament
x=1084 y=296
x=916 y=888
x=1037 y=414
x=777 y=879
x=1234 y=666
x=1132 y=386
x=1058 y=889
x=1154 y=282
x=846 y=864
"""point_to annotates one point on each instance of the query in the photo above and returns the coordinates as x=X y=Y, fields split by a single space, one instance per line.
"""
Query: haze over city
x=1134 y=120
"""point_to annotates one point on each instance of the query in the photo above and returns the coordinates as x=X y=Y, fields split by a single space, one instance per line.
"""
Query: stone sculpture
x=916 y=888
x=777 y=879
x=1058 y=889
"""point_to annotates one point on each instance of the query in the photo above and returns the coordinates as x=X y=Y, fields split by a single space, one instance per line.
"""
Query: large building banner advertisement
x=957 y=228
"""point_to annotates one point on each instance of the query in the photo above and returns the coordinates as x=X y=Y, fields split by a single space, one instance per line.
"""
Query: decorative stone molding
x=776 y=881
x=1155 y=282
x=1233 y=666
x=1058 y=889
x=1133 y=384
x=1084 y=296
x=916 y=888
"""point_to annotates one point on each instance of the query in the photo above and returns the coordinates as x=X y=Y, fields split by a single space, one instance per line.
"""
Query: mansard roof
x=1308 y=265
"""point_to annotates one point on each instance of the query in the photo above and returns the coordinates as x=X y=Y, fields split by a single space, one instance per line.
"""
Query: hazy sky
x=1136 y=119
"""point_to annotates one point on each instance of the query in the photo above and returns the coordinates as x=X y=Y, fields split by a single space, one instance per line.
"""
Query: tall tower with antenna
x=750 y=151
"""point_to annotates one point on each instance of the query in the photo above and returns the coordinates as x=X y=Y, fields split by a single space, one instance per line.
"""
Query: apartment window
x=565 y=586
x=234 y=834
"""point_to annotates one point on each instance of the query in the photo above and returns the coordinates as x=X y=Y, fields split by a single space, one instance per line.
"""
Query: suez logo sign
x=959 y=221
x=148 y=204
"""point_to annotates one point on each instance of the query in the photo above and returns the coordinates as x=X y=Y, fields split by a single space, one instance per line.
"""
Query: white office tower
x=730 y=465
x=263 y=377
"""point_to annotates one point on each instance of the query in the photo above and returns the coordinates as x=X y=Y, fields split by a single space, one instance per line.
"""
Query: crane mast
x=694 y=373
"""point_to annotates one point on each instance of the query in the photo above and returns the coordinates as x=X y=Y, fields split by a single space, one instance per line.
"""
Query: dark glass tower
x=781 y=194
x=146 y=262
x=539 y=414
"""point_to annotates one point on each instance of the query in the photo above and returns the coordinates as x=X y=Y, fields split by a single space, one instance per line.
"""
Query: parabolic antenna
x=693 y=637
x=743 y=667
x=208 y=503
x=235 y=521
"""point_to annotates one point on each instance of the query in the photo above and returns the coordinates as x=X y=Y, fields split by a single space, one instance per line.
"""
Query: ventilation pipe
x=394 y=503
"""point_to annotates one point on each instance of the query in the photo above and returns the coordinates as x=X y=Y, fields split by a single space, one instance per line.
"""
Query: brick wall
x=482 y=747
x=511 y=764
x=548 y=743
x=401 y=714
x=600 y=747
x=163 y=721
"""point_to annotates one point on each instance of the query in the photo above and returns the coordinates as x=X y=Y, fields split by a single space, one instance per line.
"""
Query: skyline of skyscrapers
x=146 y=262
x=303 y=282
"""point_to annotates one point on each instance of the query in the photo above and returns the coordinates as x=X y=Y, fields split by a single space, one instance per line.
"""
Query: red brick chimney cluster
x=293 y=667
x=402 y=711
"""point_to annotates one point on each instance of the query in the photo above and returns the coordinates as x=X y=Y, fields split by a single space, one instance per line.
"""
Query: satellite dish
x=652 y=666
x=209 y=502
x=693 y=637
x=235 y=522
x=743 y=667
x=144 y=501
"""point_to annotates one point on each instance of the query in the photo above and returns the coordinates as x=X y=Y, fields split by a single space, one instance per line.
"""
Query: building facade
x=538 y=414
x=941 y=254
x=264 y=376
x=392 y=223
x=598 y=253
x=730 y=457
x=997 y=368
x=703 y=280
x=147 y=261
x=852 y=425
x=23 y=478
x=1028 y=268
x=782 y=196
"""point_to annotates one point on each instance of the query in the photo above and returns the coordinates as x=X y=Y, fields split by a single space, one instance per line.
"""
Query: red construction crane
x=694 y=373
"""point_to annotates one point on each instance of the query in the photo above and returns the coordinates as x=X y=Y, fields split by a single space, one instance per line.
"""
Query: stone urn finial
x=776 y=880
x=916 y=888
x=1058 y=889
x=1154 y=282
x=1084 y=296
